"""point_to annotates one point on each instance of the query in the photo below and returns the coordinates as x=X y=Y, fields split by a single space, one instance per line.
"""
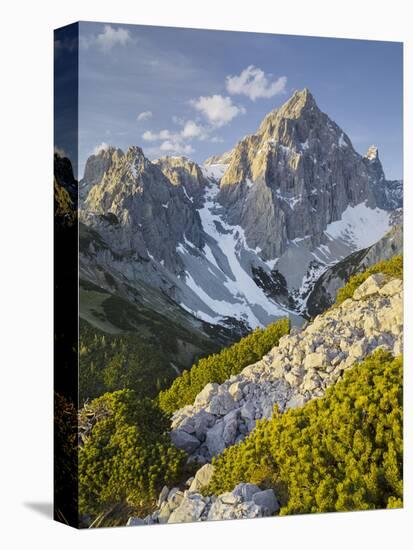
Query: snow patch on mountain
x=360 y=225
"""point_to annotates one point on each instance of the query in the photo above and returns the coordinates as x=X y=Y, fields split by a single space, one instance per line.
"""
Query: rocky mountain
x=242 y=240
x=388 y=193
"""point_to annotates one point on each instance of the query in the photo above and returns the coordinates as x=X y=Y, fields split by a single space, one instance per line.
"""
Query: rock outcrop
x=303 y=365
x=245 y=501
x=388 y=193
x=184 y=173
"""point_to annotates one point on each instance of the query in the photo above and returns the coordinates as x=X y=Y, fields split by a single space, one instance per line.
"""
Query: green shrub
x=393 y=268
x=128 y=456
x=221 y=366
x=341 y=452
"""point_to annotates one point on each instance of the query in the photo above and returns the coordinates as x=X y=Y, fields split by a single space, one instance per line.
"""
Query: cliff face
x=292 y=178
x=137 y=210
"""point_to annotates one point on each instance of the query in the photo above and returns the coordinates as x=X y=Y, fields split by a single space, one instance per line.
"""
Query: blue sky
x=197 y=92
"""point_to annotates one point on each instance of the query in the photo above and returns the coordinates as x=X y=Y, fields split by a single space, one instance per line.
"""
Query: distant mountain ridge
x=243 y=239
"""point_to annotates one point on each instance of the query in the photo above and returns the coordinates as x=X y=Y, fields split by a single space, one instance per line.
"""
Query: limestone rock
x=184 y=441
x=202 y=478
x=267 y=500
x=189 y=510
x=370 y=286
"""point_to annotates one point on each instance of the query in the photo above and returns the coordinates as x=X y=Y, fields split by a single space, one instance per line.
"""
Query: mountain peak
x=300 y=101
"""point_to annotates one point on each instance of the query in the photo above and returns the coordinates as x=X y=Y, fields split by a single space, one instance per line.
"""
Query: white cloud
x=218 y=110
x=101 y=147
x=153 y=136
x=254 y=83
x=111 y=37
x=144 y=115
x=192 y=129
x=176 y=146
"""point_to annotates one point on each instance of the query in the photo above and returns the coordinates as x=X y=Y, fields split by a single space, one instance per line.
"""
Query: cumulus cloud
x=218 y=110
x=153 y=136
x=254 y=83
x=144 y=115
x=192 y=129
x=176 y=146
x=111 y=36
x=101 y=147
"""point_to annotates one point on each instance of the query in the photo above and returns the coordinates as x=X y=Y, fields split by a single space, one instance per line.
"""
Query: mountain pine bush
x=221 y=366
x=338 y=453
x=128 y=457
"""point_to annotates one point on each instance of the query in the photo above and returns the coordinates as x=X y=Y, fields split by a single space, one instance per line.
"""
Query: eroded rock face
x=139 y=211
x=245 y=501
x=292 y=178
x=300 y=368
x=184 y=173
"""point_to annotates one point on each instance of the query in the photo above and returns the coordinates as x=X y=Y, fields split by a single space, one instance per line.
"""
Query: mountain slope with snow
x=242 y=240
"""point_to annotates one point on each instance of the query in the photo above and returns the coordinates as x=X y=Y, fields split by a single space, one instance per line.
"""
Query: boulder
x=184 y=441
x=246 y=490
x=214 y=439
x=221 y=404
x=248 y=411
x=392 y=287
x=229 y=498
x=296 y=401
x=358 y=350
x=267 y=500
x=164 y=513
x=315 y=360
x=175 y=498
x=235 y=390
x=202 y=478
x=206 y=394
x=370 y=286
x=202 y=422
x=163 y=495
x=230 y=430
x=189 y=510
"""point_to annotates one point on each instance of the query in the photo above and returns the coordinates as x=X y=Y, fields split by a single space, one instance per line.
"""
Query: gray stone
x=221 y=404
x=229 y=498
x=206 y=394
x=267 y=499
x=246 y=490
x=163 y=495
x=202 y=477
x=214 y=439
x=315 y=360
x=184 y=441
x=235 y=390
x=189 y=510
x=248 y=411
